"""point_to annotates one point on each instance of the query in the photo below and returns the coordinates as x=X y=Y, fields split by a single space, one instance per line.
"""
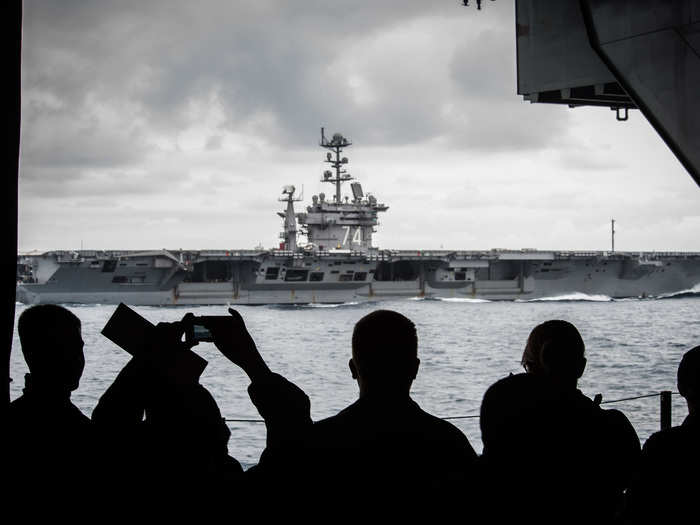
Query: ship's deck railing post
x=665 y=406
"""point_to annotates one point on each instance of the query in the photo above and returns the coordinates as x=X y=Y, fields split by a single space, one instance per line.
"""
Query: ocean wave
x=572 y=297
x=282 y=306
x=82 y=305
x=331 y=305
x=462 y=300
x=690 y=292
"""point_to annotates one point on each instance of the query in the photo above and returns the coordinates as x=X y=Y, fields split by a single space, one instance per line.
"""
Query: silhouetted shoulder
x=667 y=485
x=681 y=441
x=444 y=430
x=26 y=415
x=52 y=448
x=617 y=422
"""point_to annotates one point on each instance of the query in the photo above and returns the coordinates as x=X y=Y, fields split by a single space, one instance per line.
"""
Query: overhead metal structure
x=623 y=54
x=556 y=64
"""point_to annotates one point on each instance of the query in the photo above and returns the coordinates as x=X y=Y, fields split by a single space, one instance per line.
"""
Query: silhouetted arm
x=647 y=488
x=232 y=339
x=283 y=405
x=123 y=402
x=626 y=450
x=285 y=408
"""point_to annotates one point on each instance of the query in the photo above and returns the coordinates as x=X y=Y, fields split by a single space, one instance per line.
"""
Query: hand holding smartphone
x=159 y=344
x=197 y=327
x=231 y=337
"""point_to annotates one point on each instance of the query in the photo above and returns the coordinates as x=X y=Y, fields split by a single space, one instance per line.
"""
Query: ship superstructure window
x=109 y=266
x=272 y=273
x=296 y=275
x=345 y=277
x=316 y=276
x=360 y=276
x=460 y=276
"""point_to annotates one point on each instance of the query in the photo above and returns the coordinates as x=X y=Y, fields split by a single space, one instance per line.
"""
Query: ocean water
x=633 y=348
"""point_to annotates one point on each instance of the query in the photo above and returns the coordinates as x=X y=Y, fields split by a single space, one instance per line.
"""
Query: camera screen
x=201 y=334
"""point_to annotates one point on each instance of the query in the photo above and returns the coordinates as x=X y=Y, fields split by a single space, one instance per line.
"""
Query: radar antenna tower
x=290 y=223
x=612 y=234
x=335 y=145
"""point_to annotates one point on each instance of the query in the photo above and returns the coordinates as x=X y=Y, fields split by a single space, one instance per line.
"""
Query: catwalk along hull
x=279 y=277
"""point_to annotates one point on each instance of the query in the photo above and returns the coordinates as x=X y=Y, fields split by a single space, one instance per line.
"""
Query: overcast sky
x=176 y=124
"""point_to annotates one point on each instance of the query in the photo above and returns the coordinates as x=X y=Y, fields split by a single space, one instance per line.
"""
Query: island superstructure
x=338 y=263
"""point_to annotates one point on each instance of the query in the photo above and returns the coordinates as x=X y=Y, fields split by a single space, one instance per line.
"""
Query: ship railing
x=493 y=253
x=228 y=253
x=419 y=253
x=324 y=253
x=651 y=254
x=665 y=408
x=380 y=256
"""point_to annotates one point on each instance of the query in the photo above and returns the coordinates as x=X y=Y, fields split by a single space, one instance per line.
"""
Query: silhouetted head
x=52 y=346
x=689 y=376
x=555 y=349
x=384 y=353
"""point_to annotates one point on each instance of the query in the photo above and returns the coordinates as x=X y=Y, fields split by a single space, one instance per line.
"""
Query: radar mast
x=335 y=145
x=338 y=224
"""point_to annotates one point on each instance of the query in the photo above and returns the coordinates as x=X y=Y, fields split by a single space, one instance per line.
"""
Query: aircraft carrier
x=339 y=264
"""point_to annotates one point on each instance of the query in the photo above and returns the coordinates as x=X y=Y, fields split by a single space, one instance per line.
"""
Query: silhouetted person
x=165 y=431
x=50 y=441
x=553 y=454
x=384 y=449
x=668 y=483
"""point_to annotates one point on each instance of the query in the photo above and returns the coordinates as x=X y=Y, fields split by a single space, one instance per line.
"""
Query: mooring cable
x=473 y=416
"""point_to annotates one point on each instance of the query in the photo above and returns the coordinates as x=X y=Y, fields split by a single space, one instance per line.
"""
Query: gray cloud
x=186 y=117
x=267 y=59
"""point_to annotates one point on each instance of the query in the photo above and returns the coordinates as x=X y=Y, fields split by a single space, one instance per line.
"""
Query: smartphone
x=198 y=332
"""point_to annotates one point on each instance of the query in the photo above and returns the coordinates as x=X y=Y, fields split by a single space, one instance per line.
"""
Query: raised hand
x=169 y=357
x=231 y=337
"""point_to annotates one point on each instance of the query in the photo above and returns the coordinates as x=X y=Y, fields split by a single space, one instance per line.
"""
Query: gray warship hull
x=339 y=264
x=282 y=277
